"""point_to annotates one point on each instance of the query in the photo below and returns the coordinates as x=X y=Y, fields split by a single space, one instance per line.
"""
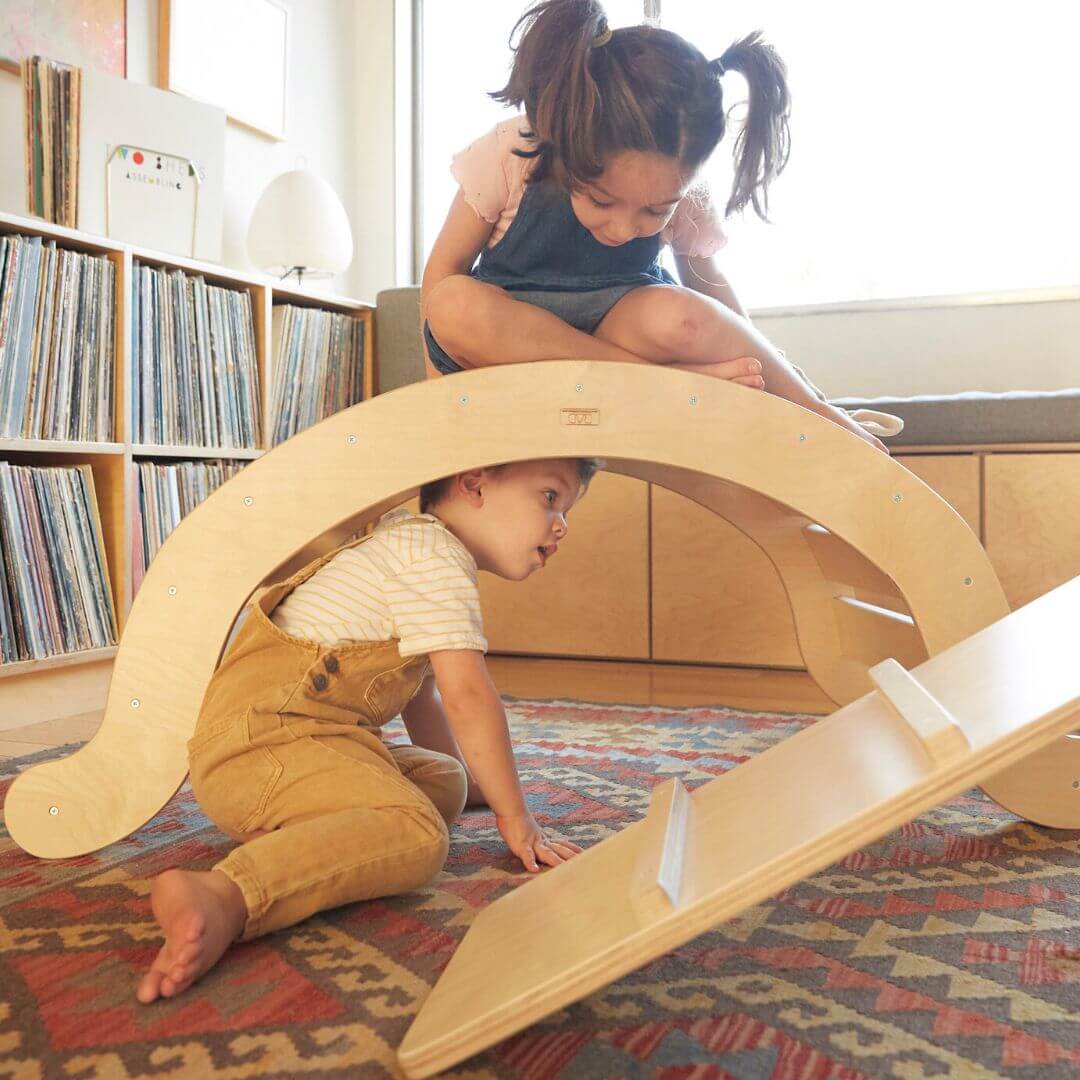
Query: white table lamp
x=299 y=226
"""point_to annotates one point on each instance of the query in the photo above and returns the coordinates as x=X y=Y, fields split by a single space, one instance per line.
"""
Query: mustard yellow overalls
x=288 y=739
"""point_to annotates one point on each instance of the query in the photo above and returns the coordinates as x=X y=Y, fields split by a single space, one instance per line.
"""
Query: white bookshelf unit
x=76 y=683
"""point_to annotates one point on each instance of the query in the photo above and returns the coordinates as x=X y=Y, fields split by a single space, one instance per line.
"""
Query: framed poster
x=86 y=33
x=233 y=55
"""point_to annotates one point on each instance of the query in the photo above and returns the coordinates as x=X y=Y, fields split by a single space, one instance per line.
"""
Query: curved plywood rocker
x=875 y=564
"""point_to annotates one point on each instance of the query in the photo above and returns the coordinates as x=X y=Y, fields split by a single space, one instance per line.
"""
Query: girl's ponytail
x=550 y=78
x=761 y=149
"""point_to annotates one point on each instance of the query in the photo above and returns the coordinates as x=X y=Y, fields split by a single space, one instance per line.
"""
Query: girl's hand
x=528 y=842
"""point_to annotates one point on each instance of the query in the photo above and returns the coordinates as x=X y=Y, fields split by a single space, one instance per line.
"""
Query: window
x=466 y=55
x=932 y=149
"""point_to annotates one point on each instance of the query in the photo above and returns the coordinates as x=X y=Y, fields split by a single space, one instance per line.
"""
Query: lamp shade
x=299 y=222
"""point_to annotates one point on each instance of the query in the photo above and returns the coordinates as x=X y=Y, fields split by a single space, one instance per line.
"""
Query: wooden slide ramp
x=993 y=700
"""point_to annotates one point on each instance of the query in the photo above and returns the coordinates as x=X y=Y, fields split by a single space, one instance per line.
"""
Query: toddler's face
x=634 y=196
x=524 y=515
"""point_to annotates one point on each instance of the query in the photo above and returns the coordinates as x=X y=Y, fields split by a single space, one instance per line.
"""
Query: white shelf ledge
x=152 y=450
x=84 y=656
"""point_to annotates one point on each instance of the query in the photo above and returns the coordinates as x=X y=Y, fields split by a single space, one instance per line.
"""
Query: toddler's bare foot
x=201 y=914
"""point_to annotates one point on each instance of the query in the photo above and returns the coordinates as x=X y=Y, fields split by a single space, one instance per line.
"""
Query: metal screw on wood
x=967 y=581
x=802 y=438
x=693 y=399
x=580 y=387
x=54 y=810
x=898 y=498
x=350 y=439
x=172 y=590
x=135 y=702
x=248 y=500
x=464 y=399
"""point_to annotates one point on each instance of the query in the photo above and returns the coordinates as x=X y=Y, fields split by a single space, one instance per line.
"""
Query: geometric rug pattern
x=950 y=948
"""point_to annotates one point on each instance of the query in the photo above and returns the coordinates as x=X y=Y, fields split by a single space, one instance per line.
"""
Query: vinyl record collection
x=51 y=93
x=196 y=371
x=55 y=595
x=57 y=331
x=194 y=381
x=318 y=367
x=166 y=493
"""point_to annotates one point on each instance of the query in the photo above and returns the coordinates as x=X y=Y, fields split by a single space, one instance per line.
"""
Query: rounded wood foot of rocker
x=1044 y=787
x=98 y=795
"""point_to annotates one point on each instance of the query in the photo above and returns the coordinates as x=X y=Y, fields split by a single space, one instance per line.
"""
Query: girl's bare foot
x=839 y=416
x=746 y=370
x=201 y=914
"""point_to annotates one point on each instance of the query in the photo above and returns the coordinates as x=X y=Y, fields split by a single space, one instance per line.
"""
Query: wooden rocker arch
x=875 y=564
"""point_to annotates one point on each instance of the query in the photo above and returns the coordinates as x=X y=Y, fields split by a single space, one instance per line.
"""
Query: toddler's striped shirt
x=412 y=580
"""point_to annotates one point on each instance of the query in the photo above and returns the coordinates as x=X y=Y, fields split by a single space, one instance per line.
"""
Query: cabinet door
x=1032 y=515
x=716 y=597
x=592 y=599
x=955 y=477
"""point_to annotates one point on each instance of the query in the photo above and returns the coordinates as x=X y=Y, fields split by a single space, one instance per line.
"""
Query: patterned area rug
x=948 y=949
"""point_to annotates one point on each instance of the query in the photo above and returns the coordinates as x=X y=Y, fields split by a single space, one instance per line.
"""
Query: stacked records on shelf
x=51 y=93
x=54 y=584
x=318 y=367
x=166 y=493
x=196 y=371
x=57 y=332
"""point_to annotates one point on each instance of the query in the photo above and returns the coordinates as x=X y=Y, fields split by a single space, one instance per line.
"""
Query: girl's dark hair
x=432 y=494
x=589 y=93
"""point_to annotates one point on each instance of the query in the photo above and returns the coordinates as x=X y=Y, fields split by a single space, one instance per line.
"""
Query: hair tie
x=601 y=39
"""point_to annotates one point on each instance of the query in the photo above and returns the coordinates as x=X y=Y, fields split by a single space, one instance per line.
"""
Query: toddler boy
x=287 y=755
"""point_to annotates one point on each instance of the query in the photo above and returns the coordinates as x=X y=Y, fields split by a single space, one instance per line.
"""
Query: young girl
x=569 y=206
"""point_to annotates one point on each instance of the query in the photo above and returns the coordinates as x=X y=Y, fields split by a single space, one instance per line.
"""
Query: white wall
x=373 y=146
x=321 y=126
x=936 y=347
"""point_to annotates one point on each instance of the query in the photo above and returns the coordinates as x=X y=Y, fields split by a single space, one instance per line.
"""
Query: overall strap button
x=320 y=682
x=331 y=663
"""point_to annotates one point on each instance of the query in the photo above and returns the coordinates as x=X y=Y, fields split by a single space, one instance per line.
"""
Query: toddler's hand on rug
x=527 y=841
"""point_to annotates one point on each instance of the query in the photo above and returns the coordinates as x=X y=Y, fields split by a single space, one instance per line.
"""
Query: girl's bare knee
x=677 y=326
x=445 y=306
x=460 y=313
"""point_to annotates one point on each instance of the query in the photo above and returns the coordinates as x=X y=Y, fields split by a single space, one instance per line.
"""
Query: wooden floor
x=610 y=681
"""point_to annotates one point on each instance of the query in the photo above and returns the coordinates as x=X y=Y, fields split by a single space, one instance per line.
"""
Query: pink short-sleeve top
x=493 y=178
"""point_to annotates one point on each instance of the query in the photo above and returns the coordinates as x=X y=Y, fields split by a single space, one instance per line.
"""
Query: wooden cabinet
x=716 y=597
x=1032 y=516
x=955 y=477
x=593 y=597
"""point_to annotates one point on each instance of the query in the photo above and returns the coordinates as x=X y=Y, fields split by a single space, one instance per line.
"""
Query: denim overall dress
x=288 y=739
x=549 y=259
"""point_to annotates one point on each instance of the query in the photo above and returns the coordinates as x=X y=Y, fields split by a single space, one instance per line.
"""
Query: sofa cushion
x=977 y=417
x=399 y=350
